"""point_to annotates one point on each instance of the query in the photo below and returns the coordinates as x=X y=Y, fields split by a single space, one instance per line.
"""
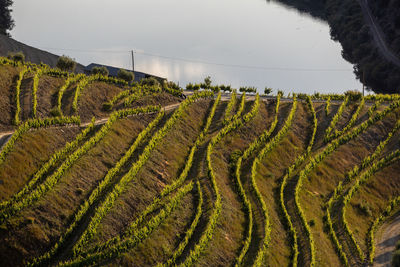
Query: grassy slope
x=326 y=176
x=35 y=229
x=47 y=94
x=375 y=195
x=162 y=168
x=51 y=214
x=226 y=243
x=29 y=153
x=270 y=175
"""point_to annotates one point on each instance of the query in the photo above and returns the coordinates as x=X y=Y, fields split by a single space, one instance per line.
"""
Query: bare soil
x=386 y=240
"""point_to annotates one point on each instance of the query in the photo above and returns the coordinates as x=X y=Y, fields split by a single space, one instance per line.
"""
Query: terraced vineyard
x=95 y=172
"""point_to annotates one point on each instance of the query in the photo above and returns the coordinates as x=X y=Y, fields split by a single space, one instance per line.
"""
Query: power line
x=201 y=61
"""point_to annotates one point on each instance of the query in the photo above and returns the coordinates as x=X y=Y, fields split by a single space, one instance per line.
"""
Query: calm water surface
x=237 y=42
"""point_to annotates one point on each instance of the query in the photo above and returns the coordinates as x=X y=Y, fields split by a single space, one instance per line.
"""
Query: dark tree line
x=6 y=21
x=347 y=26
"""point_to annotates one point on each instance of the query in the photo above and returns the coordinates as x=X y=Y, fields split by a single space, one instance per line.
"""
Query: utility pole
x=133 y=62
x=363 y=82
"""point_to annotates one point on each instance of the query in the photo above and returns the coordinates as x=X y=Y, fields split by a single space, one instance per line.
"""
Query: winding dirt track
x=387 y=237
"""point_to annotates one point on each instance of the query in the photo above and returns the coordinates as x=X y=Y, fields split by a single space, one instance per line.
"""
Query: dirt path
x=387 y=237
x=5 y=136
x=378 y=34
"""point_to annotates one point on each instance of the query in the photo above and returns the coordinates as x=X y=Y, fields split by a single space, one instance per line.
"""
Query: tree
x=267 y=90
x=66 y=63
x=248 y=89
x=125 y=75
x=100 y=70
x=207 y=83
x=6 y=22
x=151 y=82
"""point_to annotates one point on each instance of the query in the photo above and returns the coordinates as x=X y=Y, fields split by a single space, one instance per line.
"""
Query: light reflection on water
x=252 y=33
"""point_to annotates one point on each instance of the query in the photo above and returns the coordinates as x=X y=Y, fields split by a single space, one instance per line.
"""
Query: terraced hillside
x=210 y=180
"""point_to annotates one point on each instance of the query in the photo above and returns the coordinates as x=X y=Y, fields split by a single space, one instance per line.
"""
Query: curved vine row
x=56 y=157
x=206 y=236
x=300 y=160
x=106 y=205
x=268 y=147
x=167 y=189
x=332 y=146
x=34 y=124
x=97 y=192
x=242 y=193
x=71 y=159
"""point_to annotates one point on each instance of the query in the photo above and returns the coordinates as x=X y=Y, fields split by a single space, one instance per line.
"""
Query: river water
x=239 y=42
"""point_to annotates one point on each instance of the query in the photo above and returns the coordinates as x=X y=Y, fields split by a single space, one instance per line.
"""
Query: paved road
x=387 y=237
x=378 y=34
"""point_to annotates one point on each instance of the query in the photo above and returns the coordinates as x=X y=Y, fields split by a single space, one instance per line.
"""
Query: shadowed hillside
x=210 y=179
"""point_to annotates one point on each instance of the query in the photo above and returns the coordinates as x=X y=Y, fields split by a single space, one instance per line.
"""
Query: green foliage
x=137 y=237
x=213 y=219
x=125 y=75
x=36 y=78
x=267 y=148
x=70 y=80
x=34 y=124
x=66 y=63
x=17 y=95
x=150 y=82
x=96 y=193
x=100 y=70
x=267 y=90
x=227 y=120
x=230 y=107
x=237 y=160
x=86 y=80
x=327 y=106
x=248 y=89
x=350 y=123
x=109 y=200
x=45 y=168
x=353 y=95
x=206 y=84
x=332 y=146
x=335 y=119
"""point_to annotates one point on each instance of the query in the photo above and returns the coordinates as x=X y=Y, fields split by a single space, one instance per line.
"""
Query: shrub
x=196 y=87
x=311 y=222
x=107 y=106
x=17 y=57
x=125 y=75
x=55 y=112
x=281 y=93
x=353 y=95
x=249 y=89
x=267 y=90
x=151 y=82
x=100 y=70
x=364 y=208
x=66 y=63
x=215 y=89
x=171 y=85
x=190 y=86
